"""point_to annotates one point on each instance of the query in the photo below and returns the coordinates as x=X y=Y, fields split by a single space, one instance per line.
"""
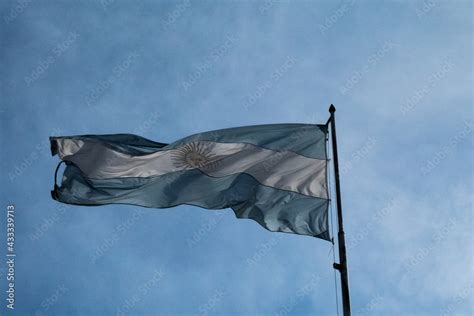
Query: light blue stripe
x=127 y=143
x=274 y=209
x=304 y=139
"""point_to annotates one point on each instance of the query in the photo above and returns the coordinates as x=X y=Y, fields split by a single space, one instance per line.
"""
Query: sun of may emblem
x=193 y=155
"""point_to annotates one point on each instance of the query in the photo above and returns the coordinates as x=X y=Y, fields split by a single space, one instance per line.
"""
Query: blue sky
x=399 y=73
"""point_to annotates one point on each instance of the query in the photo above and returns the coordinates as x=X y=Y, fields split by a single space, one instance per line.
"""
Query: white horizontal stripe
x=279 y=169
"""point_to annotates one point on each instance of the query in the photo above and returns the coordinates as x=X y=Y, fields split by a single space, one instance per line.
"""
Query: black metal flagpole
x=342 y=265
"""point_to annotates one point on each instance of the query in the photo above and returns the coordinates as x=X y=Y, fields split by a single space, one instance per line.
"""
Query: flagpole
x=342 y=265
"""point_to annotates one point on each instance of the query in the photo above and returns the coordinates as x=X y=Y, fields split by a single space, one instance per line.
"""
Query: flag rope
x=331 y=211
x=54 y=192
x=56 y=173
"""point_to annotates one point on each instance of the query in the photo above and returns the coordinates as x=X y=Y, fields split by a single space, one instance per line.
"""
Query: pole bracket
x=337 y=266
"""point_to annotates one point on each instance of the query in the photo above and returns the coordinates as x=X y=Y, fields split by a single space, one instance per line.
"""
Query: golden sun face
x=193 y=155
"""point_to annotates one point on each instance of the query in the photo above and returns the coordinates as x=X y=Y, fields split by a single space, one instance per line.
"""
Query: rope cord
x=331 y=210
x=56 y=173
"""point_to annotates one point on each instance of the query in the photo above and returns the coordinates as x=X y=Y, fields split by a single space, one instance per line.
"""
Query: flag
x=274 y=174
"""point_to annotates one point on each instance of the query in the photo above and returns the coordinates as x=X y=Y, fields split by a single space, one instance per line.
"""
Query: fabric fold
x=273 y=174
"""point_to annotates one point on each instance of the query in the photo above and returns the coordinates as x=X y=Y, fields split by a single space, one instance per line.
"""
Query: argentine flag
x=274 y=174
